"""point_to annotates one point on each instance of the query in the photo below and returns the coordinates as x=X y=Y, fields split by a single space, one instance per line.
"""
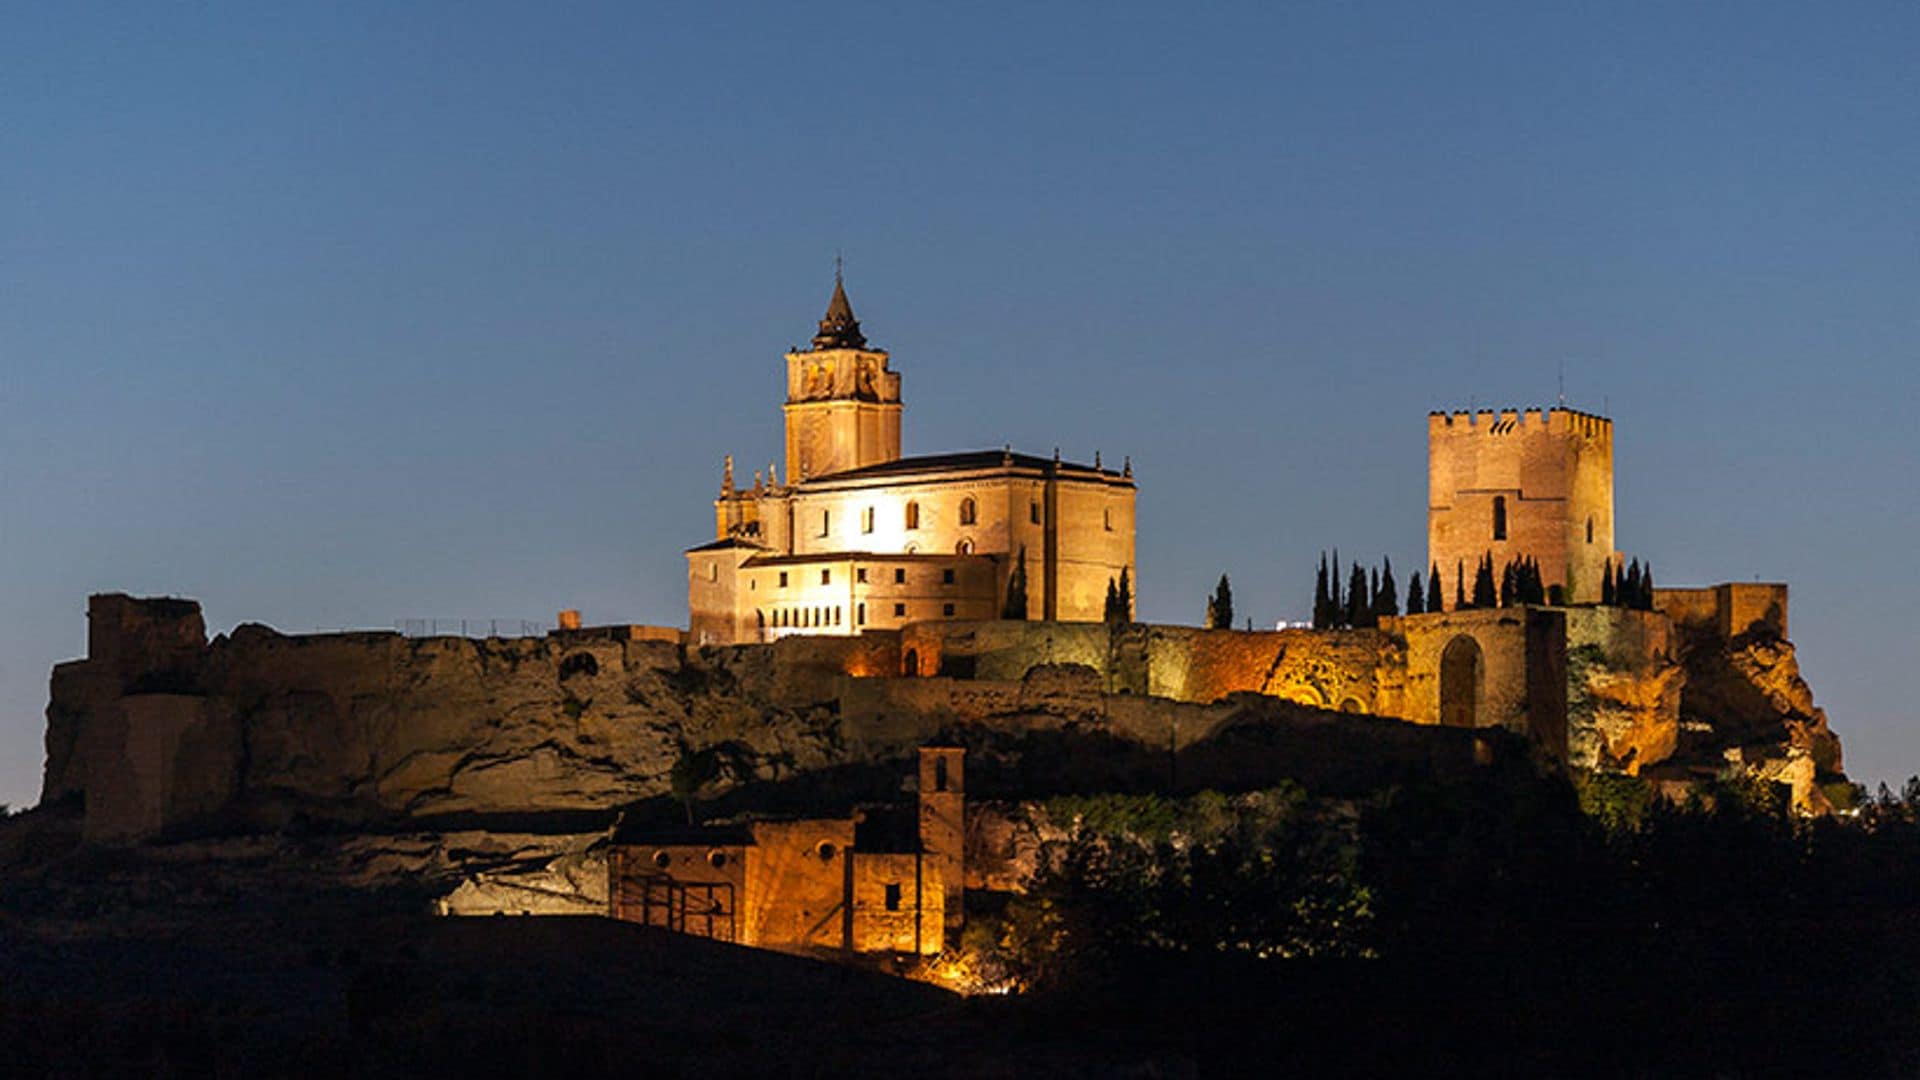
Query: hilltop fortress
x=867 y=605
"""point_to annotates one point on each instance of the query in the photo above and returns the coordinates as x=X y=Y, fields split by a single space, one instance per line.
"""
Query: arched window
x=1460 y=675
x=1499 y=517
x=967 y=511
x=910 y=663
x=964 y=547
x=1106 y=518
x=913 y=515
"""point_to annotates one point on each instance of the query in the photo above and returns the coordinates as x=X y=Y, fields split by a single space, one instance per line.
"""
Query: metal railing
x=473 y=628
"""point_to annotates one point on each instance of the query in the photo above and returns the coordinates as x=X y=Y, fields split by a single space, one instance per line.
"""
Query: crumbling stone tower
x=943 y=824
x=1516 y=485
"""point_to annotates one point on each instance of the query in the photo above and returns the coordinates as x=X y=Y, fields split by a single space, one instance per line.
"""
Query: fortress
x=870 y=611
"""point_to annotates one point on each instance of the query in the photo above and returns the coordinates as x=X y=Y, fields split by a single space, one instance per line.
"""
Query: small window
x=826 y=577
x=967 y=511
x=860 y=575
x=1106 y=518
x=899 y=575
x=716 y=859
x=713 y=569
x=662 y=860
x=913 y=515
x=859 y=614
x=1033 y=512
x=893 y=896
x=946 y=576
x=866 y=520
x=761 y=614
x=947 y=610
x=900 y=610
x=1589 y=530
x=1499 y=517
x=964 y=547
x=826 y=522
x=939 y=774
x=837 y=609
x=826 y=851
x=783 y=579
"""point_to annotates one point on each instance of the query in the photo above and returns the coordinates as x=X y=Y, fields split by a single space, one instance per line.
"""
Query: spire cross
x=836 y=266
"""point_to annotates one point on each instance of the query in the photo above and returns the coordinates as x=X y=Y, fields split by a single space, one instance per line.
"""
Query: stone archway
x=910 y=663
x=1462 y=671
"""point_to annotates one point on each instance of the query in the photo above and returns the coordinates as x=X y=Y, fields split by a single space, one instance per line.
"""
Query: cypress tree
x=1113 y=595
x=1630 y=588
x=1460 y=584
x=1386 y=600
x=1485 y=594
x=1123 y=603
x=1416 y=596
x=1433 y=589
x=1220 y=606
x=1509 y=584
x=1606 y=584
x=1336 y=606
x=1646 y=588
x=1359 y=601
x=1320 y=595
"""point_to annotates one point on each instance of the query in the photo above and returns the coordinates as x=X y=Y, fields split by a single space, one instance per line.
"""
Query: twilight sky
x=335 y=316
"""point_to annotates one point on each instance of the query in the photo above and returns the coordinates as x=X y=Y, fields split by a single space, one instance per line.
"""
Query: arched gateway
x=1461 y=673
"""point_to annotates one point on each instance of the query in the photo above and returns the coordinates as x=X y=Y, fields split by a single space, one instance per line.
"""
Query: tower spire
x=839 y=329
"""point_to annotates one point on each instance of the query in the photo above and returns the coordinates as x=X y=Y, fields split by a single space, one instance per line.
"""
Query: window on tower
x=1499 y=517
x=866 y=520
x=967 y=511
x=913 y=515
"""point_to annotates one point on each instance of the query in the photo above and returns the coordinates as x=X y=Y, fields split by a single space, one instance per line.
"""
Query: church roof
x=965 y=461
x=838 y=328
x=724 y=543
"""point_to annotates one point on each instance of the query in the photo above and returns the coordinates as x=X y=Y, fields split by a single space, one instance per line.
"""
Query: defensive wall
x=158 y=726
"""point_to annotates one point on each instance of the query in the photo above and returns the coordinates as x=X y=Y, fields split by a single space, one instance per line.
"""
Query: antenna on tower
x=1563 y=383
x=836 y=266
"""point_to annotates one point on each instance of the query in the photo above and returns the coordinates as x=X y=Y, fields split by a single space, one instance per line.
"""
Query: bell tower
x=843 y=404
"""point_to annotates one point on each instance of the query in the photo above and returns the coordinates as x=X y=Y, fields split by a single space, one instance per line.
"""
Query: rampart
x=159 y=727
x=1729 y=610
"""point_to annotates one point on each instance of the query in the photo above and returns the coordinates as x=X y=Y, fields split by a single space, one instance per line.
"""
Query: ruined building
x=859 y=538
x=877 y=880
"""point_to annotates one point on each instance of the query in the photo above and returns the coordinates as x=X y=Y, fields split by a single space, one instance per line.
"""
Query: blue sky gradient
x=333 y=316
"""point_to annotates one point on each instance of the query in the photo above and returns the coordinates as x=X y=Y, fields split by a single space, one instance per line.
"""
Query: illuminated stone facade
x=870 y=882
x=859 y=538
x=1518 y=485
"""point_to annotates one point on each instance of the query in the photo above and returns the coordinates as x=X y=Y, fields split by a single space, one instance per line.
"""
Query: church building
x=857 y=537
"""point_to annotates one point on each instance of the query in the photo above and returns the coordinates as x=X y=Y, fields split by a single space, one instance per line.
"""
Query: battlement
x=1559 y=420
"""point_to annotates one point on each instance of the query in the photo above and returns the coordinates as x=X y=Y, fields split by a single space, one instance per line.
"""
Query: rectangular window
x=893 y=896
x=860 y=575
x=783 y=579
x=866 y=520
x=946 y=577
x=826 y=577
x=826 y=522
x=899 y=610
x=860 y=615
x=1033 y=512
x=899 y=575
x=947 y=610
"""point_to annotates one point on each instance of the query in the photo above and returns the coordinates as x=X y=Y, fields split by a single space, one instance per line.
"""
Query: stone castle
x=874 y=610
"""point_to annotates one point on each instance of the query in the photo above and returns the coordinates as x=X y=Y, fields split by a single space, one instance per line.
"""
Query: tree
x=1336 y=606
x=1607 y=595
x=1322 y=603
x=1509 y=584
x=1629 y=591
x=1386 y=599
x=1485 y=594
x=1124 y=598
x=1113 y=601
x=1433 y=589
x=1460 y=584
x=1359 y=602
x=1220 y=606
x=1017 y=589
x=1646 y=588
x=1416 y=596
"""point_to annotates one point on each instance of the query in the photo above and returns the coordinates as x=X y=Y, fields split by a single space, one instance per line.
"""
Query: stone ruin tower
x=1515 y=485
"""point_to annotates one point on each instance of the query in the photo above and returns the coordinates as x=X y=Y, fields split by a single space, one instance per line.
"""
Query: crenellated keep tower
x=1516 y=485
x=843 y=404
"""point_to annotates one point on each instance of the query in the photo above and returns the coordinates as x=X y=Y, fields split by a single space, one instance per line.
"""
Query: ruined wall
x=1727 y=610
x=1624 y=683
